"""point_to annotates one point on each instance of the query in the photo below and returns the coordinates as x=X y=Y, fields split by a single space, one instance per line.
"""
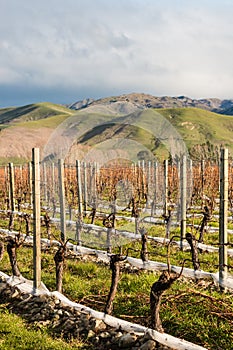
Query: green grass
x=32 y=112
x=15 y=333
x=14 y=160
x=195 y=311
x=50 y=122
x=196 y=126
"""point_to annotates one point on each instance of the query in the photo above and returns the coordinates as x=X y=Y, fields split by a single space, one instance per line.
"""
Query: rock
x=15 y=294
x=43 y=323
x=97 y=325
x=40 y=298
x=46 y=310
x=66 y=314
x=127 y=340
x=149 y=345
x=85 y=320
x=90 y=334
x=67 y=325
x=24 y=302
x=59 y=312
x=116 y=336
x=104 y=335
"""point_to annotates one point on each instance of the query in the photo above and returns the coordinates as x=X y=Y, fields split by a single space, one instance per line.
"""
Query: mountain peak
x=142 y=100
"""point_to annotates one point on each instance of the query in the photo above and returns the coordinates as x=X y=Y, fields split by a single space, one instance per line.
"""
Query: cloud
x=117 y=46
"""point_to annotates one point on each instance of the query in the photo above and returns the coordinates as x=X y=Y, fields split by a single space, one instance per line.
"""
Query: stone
x=66 y=313
x=149 y=345
x=91 y=334
x=43 y=323
x=115 y=337
x=104 y=335
x=35 y=310
x=68 y=324
x=40 y=298
x=97 y=325
x=15 y=294
x=51 y=304
x=127 y=340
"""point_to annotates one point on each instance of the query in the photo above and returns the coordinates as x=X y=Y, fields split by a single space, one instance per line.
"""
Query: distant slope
x=202 y=131
x=32 y=112
x=25 y=127
x=142 y=101
x=31 y=126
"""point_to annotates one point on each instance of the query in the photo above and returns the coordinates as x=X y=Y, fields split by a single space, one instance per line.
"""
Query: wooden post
x=62 y=199
x=178 y=213
x=12 y=186
x=85 y=188
x=7 y=187
x=53 y=181
x=36 y=218
x=142 y=185
x=20 y=181
x=30 y=182
x=79 y=181
x=155 y=178
x=165 y=186
x=79 y=226
x=109 y=244
x=202 y=181
x=45 y=183
x=190 y=182
x=223 y=216
x=183 y=199
x=148 y=184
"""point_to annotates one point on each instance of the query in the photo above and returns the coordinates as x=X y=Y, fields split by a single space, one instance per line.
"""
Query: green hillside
x=202 y=128
x=32 y=112
x=202 y=131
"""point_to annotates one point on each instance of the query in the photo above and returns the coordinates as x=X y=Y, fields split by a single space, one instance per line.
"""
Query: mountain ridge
x=142 y=100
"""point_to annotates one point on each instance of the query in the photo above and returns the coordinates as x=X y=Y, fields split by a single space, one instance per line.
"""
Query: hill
x=100 y=122
x=142 y=101
x=157 y=130
x=22 y=128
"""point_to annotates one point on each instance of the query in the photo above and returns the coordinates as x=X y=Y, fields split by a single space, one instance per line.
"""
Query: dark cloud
x=58 y=51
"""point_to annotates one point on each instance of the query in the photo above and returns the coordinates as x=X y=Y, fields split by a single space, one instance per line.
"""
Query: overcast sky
x=63 y=51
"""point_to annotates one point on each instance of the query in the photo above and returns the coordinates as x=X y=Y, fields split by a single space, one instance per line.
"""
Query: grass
x=195 y=311
x=204 y=125
x=33 y=112
x=50 y=122
x=148 y=126
x=15 y=333
x=15 y=160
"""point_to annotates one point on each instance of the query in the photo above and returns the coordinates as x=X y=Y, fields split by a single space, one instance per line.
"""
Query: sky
x=64 y=51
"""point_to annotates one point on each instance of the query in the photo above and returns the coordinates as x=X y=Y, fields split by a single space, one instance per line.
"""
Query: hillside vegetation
x=23 y=128
x=203 y=132
x=32 y=112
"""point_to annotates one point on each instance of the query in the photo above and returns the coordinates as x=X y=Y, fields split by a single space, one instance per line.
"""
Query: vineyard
x=173 y=220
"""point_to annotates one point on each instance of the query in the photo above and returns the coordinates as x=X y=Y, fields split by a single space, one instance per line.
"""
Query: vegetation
x=195 y=311
x=17 y=334
x=32 y=112
x=203 y=132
